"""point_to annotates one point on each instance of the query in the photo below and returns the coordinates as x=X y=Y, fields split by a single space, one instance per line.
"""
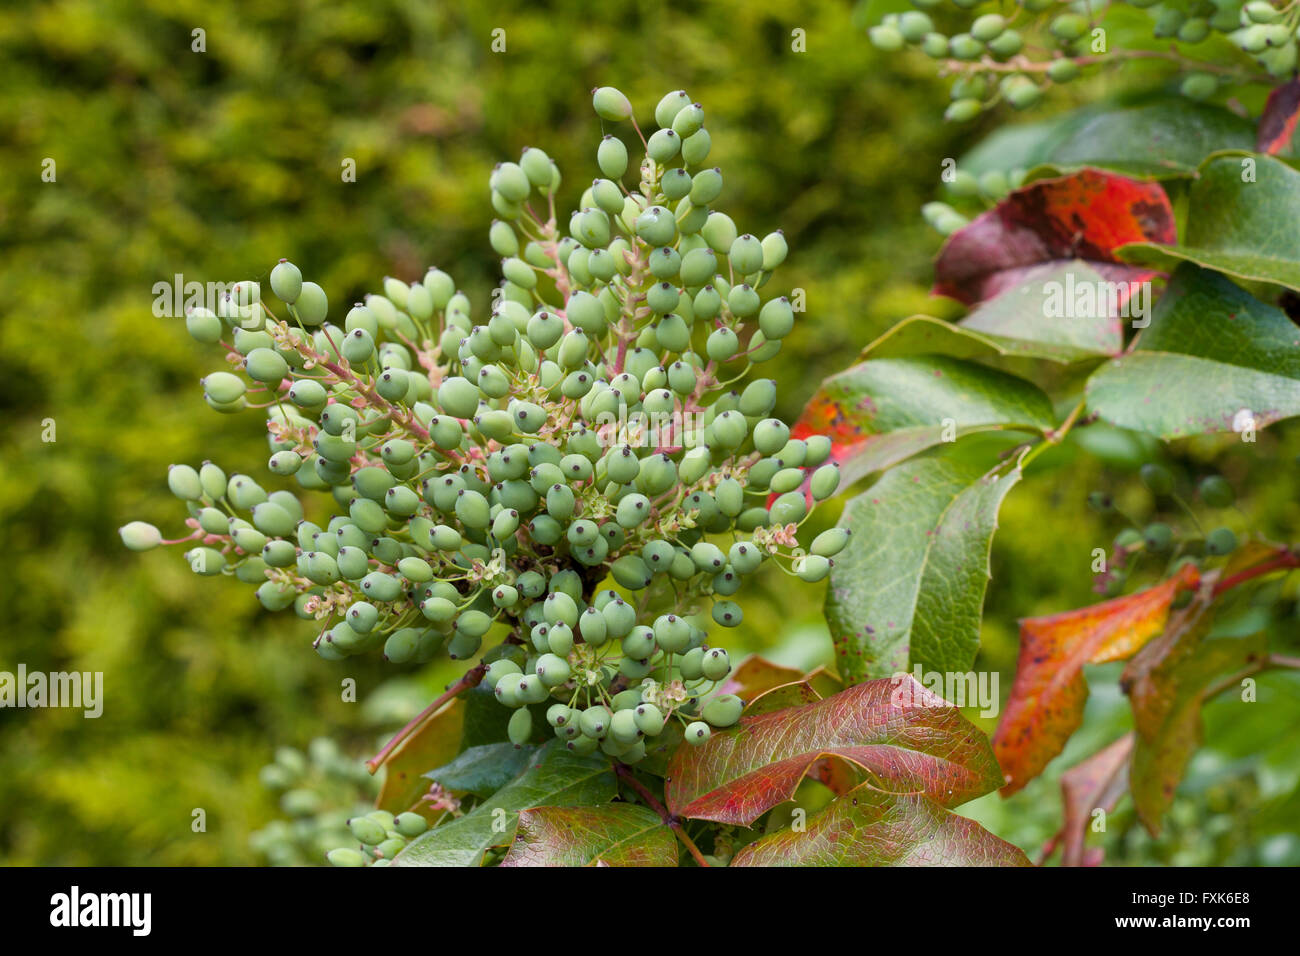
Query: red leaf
x=1085 y=215
x=1094 y=784
x=1047 y=697
x=1278 y=121
x=909 y=740
x=868 y=828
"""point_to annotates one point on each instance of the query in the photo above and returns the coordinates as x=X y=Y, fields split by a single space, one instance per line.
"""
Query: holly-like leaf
x=619 y=834
x=1163 y=139
x=905 y=737
x=1277 y=123
x=1085 y=215
x=1056 y=315
x=433 y=743
x=556 y=778
x=1214 y=358
x=881 y=412
x=1093 y=784
x=1045 y=706
x=1167 y=692
x=483 y=770
x=1241 y=211
x=909 y=588
x=865 y=827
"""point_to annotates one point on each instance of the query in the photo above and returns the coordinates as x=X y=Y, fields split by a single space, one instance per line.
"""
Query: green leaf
x=483 y=770
x=907 y=738
x=1167 y=688
x=1018 y=323
x=1159 y=140
x=868 y=828
x=1212 y=352
x=616 y=835
x=557 y=777
x=881 y=412
x=1162 y=140
x=1245 y=229
x=909 y=588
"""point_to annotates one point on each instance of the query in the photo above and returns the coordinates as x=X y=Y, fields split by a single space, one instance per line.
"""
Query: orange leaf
x=1049 y=692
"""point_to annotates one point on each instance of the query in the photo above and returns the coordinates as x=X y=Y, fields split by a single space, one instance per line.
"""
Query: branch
x=1283 y=558
x=622 y=770
x=470 y=679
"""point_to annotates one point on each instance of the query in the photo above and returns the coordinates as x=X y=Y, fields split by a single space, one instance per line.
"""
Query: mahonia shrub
x=577 y=467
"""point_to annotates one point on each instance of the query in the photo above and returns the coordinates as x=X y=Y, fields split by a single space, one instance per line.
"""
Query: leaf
x=909 y=588
x=557 y=777
x=433 y=743
x=757 y=675
x=1163 y=139
x=1277 y=124
x=615 y=835
x=1085 y=215
x=1020 y=322
x=483 y=770
x=1096 y=783
x=906 y=737
x=1046 y=702
x=881 y=412
x=1213 y=351
x=794 y=694
x=1243 y=229
x=1167 y=694
x=868 y=828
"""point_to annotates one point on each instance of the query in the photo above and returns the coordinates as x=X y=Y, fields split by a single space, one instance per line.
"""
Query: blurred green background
x=215 y=164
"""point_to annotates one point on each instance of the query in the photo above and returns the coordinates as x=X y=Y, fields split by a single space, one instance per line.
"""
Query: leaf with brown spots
x=866 y=827
x=433 y=744
x=1046 y=702
x=906 y=738
x=617 y=834
x=1085 y=215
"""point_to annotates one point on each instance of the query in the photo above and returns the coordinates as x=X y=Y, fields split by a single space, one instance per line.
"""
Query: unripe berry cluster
x=319 y=791
x=1160 y=539
x=992 y=62
x=499 y=470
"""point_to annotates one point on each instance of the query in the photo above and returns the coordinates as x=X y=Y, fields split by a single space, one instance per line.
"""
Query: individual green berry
x=963 y=111
x=1220 y=541
x=887 y=38
x=140 y=536
x=520 y=727
x=346 y=856
x=1157 y=537
x=1157 y=479
x=611 y=157
x=697 y=732
x=1216 y=492
x=1068 y=26
x=723 y=710
x=610 y=104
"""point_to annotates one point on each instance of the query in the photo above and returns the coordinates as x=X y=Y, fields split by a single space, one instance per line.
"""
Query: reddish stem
x=470 y=679
x=1284 y=558
x=622 y=770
